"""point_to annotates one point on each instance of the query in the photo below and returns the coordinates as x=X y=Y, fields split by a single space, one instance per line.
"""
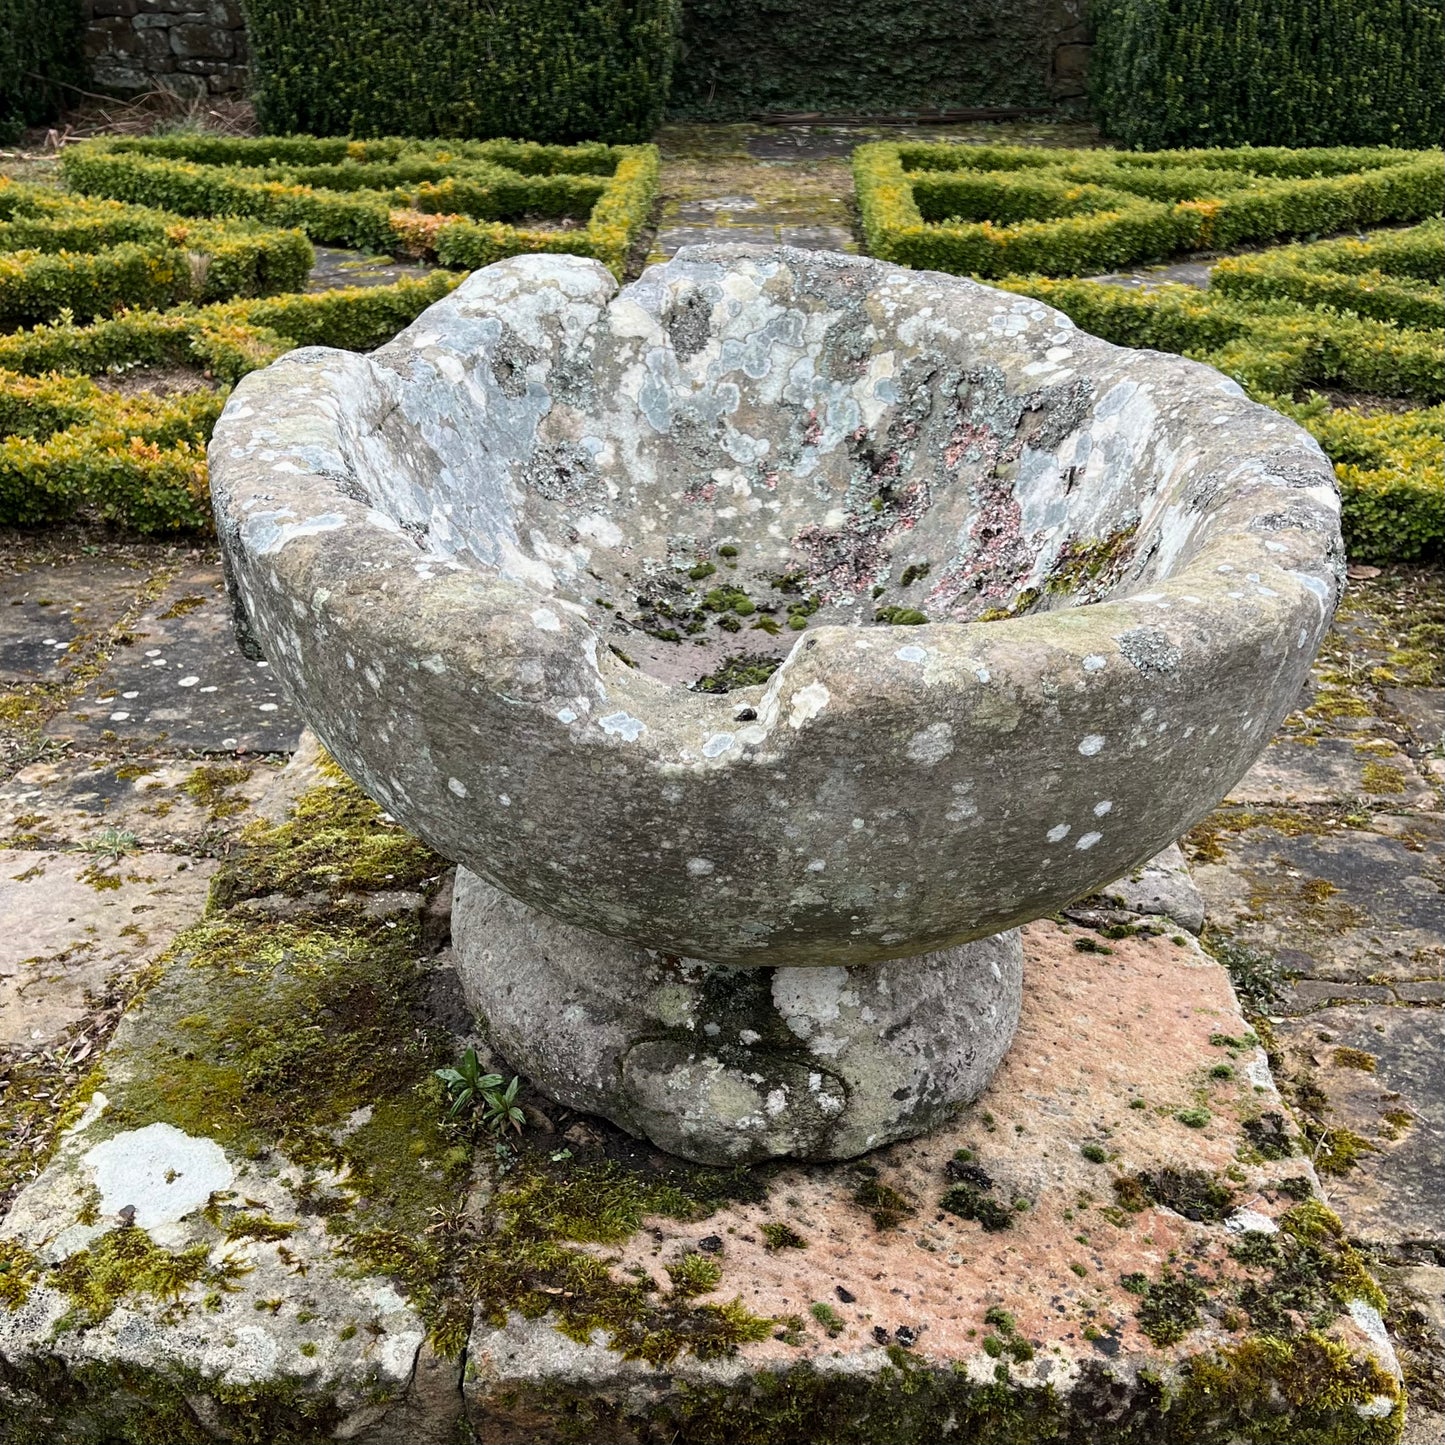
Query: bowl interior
x=726 y=463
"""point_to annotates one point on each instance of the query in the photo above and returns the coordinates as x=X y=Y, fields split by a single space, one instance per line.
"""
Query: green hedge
x=555 y=70
x=738 y=57
x=453 y=202
x=39 y=56
x=1269 y=72
x=74 y=446
x=61 y=253
x=1391 y=465
x=1005 y=210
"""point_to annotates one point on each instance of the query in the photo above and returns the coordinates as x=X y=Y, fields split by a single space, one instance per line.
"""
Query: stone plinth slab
x=1132 y=1071
x=1098 y=1244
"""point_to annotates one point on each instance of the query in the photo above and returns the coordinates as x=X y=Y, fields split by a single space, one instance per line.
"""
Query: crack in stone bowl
x=782 y=608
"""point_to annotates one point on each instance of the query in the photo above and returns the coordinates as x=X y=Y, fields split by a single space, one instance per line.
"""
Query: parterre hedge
x=464 y=203
x=39 y=56
x=64 y=253
x=1390 y=464
x=1269 y=72
x=75 y=446
x=556 y=70
x=1006 y=210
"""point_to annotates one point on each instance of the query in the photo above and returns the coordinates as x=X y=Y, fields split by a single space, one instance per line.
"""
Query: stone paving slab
x=1347 y=906
x=1423 y=709
x=1382 y=1074
x=73 y=919
x=47 y=611
x=182 y=682
x=184 y=806
x=1302 y=771
x=336 y=267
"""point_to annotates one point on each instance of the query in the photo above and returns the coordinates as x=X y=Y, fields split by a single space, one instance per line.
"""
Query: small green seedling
x=470 y=1088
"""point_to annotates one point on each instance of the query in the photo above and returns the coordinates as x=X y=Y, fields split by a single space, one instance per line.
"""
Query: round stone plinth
x=723 y=1064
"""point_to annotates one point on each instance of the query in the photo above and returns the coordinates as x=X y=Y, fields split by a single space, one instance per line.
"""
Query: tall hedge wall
x=549 y=70
x=1269 y=72
x=39 y=49
x=874 y=56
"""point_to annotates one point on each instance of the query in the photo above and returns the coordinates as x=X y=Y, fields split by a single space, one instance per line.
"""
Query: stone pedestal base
x=726 y=1065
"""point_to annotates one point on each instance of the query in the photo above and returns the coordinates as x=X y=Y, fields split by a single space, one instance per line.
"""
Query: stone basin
x=782 y=609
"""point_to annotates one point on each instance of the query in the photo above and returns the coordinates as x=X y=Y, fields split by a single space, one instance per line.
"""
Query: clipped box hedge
x=76 y=447
x=1269 y=72
x=466 y=204
x=1007 y=210
x=557 y=70
x=40 y=44
x=1390 y=465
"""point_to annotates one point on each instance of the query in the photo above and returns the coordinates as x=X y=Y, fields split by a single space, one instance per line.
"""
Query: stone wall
x=192 y=47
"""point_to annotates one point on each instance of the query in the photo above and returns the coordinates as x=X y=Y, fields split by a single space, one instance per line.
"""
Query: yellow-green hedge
x=92 y=258
x=456 y=201
x=1390 y=465
x=1004 y=210
x=76 y=447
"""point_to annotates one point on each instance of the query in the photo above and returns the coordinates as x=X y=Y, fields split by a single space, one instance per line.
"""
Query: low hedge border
x=1395 y=276
x=1390 y=465
x=68 y=254
x=453 y=201
x=75 y=446
x=996 y=211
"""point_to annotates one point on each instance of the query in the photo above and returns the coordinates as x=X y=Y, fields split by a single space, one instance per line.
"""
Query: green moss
x=1168 y=1306
x=19 y=1273
x=914 y=572
x=1193 y=1118
x=729 y=599
x=1346 y=1058
x=741 y=669
x=777 y=1235
x=210 y=786
x=126 y=1262
x=968 y=1201
x=1194 y=1193
x=828 y=1317
x=694 y=1274
x=334 y=841
x=887 y=1206
x=900 y=616
x=1094 y=1153
x=1081 y=563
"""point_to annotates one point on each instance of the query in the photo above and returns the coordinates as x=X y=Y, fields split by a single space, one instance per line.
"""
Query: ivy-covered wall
x=737 y=58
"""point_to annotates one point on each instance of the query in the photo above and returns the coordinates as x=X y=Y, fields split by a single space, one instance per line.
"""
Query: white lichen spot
x=1057 y=833
x=748 y=1037
x=1094 y=663
x=911 y=654
x=434 y=664
x=1106 y=806
x=717 y=745
x=622 y=725
x=1087 y=841
x=504 y=800
x=545 y=620
x=457 y=786
x=1091 y=745
x=1250 y=1221
x=159 y=1171
x=566 y=715
x=931 y=745
x=817 y=865
x=700 y=867
x=808 y=702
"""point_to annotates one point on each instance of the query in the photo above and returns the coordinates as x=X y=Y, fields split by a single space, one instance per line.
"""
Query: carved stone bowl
x=780 y=609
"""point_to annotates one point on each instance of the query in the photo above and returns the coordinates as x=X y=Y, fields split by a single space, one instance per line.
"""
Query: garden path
x=135 y=743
